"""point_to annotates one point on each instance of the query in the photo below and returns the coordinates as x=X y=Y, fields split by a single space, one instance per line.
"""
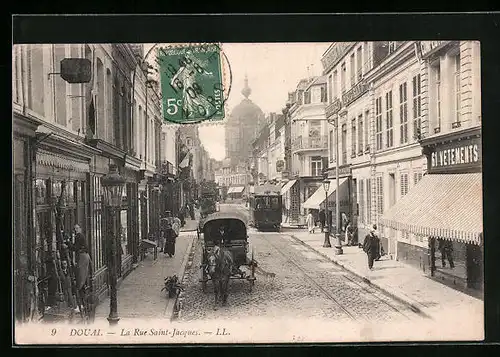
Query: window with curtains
x=404 y=184
x=361 y=201
x=366 y=57
x=368 y=201
x=378 y=123
x=98 y=253
x=360 y=134
x=389 y=120
x=353 y=137
x=403 y=114
x=437 y=73
x=35 y=79
x=380 y=195
x=417 y=105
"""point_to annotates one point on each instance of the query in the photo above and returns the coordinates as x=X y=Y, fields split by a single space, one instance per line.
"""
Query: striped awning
x=61 y=162
x=319 y=196
x=447 y=206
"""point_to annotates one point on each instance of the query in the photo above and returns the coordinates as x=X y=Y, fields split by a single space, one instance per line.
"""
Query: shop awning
x=287 y=186
x=318 y=197
x=230 y=190
x=447 y=206
x=237 y=189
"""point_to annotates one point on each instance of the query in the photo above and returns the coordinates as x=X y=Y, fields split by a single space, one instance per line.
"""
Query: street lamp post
x=113 y=185
x=338 y=242
x=326 y=186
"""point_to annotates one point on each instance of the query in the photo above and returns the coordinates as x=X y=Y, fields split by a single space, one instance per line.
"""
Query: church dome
x=247 y=109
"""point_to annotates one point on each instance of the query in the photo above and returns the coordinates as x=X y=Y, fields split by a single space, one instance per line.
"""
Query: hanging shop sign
x=333 y=108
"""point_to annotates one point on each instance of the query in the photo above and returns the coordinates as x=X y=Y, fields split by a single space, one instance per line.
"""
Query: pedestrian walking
x=310 y=222
x=371 y=246
x=348 y=233
x=191 y=211
x=170 y=238
x=446 y=249
x=182 y=216
x=82 y=257
x=322 y=219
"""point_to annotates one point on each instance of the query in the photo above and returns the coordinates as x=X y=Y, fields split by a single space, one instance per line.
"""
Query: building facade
x=444 y=211
x=65 y=136
x=308 y=146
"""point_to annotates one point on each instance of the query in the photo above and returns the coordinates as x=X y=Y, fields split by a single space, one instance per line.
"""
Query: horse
x=220 y=267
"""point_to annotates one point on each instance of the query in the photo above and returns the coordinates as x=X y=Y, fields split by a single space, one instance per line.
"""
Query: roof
x=319 y=80
x=226 y=215
x=447 y=206
x=267 y=189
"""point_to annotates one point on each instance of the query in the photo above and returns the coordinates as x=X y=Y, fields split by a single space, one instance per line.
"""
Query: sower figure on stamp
x=371 y=246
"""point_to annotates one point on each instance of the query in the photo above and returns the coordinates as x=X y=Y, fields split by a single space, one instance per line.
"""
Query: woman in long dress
x=310 y=222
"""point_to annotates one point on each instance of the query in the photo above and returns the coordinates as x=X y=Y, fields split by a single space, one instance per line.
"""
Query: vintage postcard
x=213 y=193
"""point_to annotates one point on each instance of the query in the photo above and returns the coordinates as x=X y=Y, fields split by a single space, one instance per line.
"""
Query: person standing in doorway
x=322 y=219
x=446 y=249
x=371 y=246
x=310 y=222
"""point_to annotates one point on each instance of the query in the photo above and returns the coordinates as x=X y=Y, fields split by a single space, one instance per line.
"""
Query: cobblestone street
x=305 y=285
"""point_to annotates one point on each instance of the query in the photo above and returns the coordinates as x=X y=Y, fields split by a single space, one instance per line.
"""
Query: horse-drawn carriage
x=225 y=251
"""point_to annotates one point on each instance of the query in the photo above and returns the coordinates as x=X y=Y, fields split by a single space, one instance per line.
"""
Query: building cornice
x=392 y=62
x=451 y=136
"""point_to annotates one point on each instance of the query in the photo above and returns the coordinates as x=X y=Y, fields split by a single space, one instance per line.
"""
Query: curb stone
x=173 y=303
x=401 y=297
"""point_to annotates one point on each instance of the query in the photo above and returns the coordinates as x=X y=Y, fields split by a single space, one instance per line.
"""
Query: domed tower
x=242 y=127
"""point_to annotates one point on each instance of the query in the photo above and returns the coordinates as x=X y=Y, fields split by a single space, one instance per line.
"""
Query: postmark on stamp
x=192 y=82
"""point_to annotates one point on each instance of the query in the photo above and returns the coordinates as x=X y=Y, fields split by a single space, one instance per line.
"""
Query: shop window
x=403 y=114
x=124 y=233
x=41 y=191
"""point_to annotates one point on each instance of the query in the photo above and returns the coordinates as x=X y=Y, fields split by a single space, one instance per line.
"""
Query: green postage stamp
x=191 y=82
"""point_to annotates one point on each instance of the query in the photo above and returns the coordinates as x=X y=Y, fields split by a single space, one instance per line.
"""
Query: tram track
x=375 y=293
x=319 y=287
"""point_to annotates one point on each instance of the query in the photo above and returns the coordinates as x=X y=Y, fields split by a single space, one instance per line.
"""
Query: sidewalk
x=401 y=281
x=139 y=294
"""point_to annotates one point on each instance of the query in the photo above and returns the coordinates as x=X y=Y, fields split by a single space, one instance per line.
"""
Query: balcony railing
x=310 y=143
